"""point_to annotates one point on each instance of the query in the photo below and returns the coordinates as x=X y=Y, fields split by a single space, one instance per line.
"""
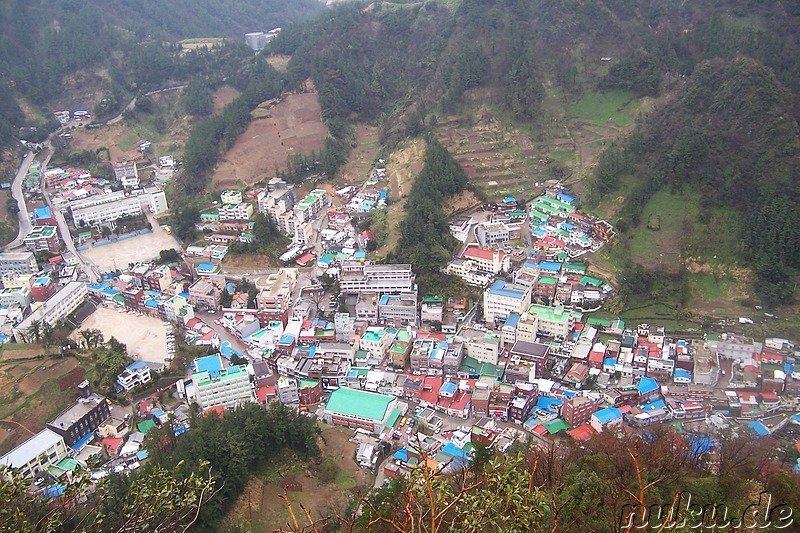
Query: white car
x=119 y=468
x=100 y=474
x=134 y=465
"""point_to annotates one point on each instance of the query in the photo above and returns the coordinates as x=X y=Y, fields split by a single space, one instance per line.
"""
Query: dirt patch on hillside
x=279 y=62
x=459 y=202
x=293 y=126
x=402 y=168
x=48 y=370
x=224 y=96
x=360 y=160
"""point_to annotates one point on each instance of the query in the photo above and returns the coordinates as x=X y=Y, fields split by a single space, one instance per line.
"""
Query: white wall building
x=228 y=387
x=56 y=308
x=502 y=299
x=18 y=263
x=33 y=456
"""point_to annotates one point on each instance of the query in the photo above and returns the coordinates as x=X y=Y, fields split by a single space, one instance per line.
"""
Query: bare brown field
x=279 y=62
x=224 y=96
x=293 y=126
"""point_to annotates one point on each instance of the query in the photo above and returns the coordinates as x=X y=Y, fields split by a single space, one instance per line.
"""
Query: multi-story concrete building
x=733 y=346
x=276 y=202
x=553 y=321
x=307 y=208
x=502 y=299
x=240 y=211
x=127 y=173
x=228 y=387
x=36 y=454
x=56 y=308
x=81 y=418
x=482 y=346
x=18 y=263
x=492 y=233
x=230 y=197
x=400 y=309
x=103 y=208
x=356 y=277
x=42 y=239
x=136 y=373
x=20 y=296
x=205 y=292
x=578 y=410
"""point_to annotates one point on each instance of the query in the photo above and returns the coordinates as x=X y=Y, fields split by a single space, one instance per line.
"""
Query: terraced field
x=500 y=162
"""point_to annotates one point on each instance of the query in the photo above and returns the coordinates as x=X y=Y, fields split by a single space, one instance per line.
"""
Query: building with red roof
x=582 y=433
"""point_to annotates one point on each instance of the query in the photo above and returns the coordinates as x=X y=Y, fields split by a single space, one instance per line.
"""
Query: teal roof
x=393 y=417
x=359 y=403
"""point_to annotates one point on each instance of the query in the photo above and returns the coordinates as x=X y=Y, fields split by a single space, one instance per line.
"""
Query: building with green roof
x=354 y=408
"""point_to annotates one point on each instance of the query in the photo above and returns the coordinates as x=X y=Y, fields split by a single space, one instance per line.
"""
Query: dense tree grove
x=235 y=446
x=425 y=240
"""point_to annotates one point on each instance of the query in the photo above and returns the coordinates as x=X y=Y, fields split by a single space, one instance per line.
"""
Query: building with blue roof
x=42 y=213
x=210 y=363
x=454 y=451
x=566 y=198
x=448 y=389
x=135 y=374
x=607 y=418
x=551 y=405
x=682 y=376
x=503 y=298
x=550 y=266
x=758 y=428
x=647 y=387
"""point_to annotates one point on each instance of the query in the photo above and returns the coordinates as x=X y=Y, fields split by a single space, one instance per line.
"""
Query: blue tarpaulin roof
x=82 y=442
x=453 y=450
x=758 y=428
x=54 y=492
x=401 y=455
x=141 y=455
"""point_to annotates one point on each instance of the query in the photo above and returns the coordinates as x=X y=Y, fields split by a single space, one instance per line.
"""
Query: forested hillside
x=726 y=75
x=731 y=136
x=41 y=42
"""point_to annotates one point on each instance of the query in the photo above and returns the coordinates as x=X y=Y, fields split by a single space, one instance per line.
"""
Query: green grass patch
x=618 y=107
x=674 y=212
x=564 y=156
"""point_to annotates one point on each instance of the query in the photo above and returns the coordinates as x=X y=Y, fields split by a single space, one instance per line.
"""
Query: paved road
x=16 y=192
x=63 y=228
x=132 y=103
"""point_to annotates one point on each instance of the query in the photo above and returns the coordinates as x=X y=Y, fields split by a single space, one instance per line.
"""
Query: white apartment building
x=36 y=454
x=356 y=277
x=553 y=321
x=18 y=263
x=230 y=197
x=287 y=390
x=399 y=308
x=228 y=387
x=502 y=299
x=482 y=346
x=136 y=373
x=240 y=211
x=56 y=308
x=492 y=233
x=17 y=296
x=104 y=208
x=307 y=208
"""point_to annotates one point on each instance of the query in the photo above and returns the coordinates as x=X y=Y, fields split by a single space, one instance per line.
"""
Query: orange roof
x=112 y=443
x=584 y=432
x=481 y=253
x=216 y=409
x=262 y=393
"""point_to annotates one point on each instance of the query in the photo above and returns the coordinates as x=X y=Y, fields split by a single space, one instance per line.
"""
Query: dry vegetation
x=292 y=126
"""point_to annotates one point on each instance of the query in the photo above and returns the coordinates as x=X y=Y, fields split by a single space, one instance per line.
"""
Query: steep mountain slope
x=730 y=137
